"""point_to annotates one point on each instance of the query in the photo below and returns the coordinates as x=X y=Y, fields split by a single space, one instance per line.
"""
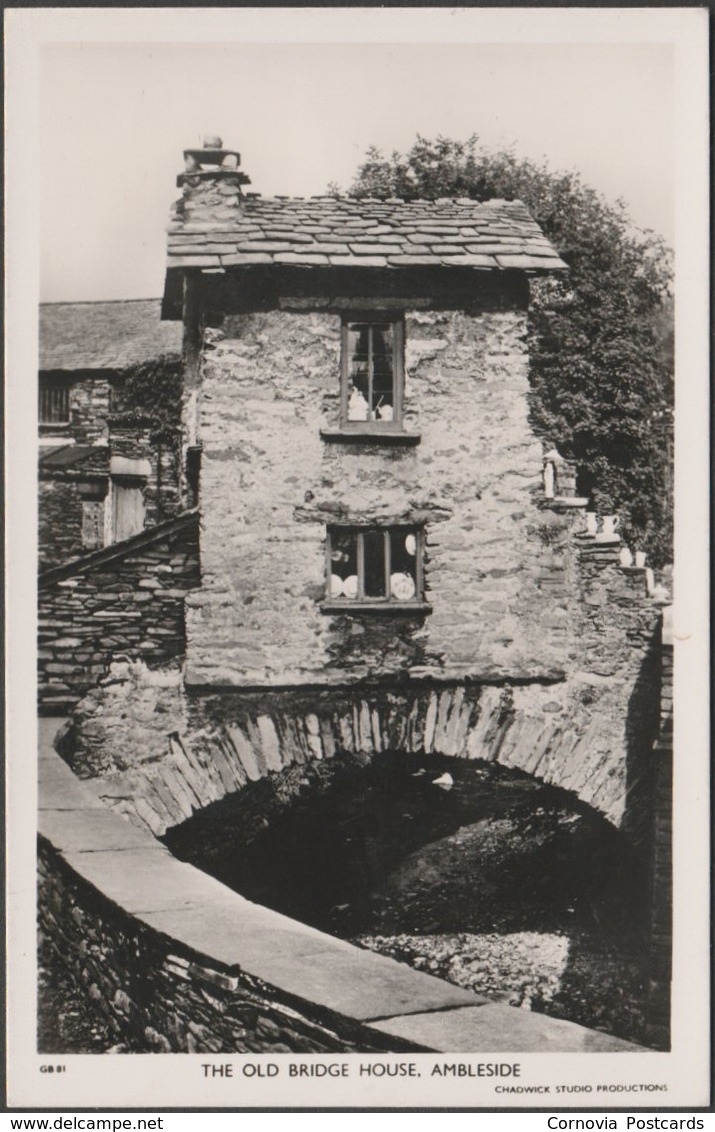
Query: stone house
x=357 y=378
x=387 y=549
x=103 y=473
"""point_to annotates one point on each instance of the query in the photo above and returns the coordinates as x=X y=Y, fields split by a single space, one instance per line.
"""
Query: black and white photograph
x=357 y=442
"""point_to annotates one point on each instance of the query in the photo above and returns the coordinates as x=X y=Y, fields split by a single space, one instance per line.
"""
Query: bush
x=601 y=336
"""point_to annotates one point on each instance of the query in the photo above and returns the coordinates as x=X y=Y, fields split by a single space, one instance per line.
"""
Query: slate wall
x=125 y=600
x=59 y=531
x=158 y=997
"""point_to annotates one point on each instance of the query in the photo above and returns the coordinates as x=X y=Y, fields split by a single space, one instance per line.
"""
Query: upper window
x=54 y=403
x=372 y=373
x=375 y=566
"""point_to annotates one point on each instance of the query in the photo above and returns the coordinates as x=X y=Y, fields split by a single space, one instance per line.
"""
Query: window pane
x=54 y=404
x=374 y=542
x=358 y=372
x=370 y=371
x=403 y=564
x=343 y=581
x=383 y=397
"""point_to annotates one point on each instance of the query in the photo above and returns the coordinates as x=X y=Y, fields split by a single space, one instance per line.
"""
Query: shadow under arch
x=373 y=848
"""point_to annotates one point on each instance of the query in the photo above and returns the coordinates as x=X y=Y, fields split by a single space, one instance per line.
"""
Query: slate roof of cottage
x=106 y=336
x=68 y=456
x=495 y=235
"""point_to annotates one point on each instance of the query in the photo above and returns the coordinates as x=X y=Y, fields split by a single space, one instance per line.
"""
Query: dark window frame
x=362 y=602
x=54 y=409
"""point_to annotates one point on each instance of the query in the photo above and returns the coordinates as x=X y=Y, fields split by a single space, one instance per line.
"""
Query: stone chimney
x=211 y=184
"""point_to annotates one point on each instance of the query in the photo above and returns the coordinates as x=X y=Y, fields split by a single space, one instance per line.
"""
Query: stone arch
x=173 y=754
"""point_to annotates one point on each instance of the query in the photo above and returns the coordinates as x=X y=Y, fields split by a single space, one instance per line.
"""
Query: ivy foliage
x=153 y=389
x=601 y=335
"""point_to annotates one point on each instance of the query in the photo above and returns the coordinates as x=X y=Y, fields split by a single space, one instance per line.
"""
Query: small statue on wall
x=552 y=461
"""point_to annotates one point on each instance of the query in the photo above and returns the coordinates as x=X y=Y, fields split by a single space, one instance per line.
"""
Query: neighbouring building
x=107 y=467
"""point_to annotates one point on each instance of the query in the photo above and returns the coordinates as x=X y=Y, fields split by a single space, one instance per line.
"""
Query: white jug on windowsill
x=358 y=408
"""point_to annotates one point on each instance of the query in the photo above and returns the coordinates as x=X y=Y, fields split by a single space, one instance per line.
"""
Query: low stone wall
x=158 y=997
x=125 y=600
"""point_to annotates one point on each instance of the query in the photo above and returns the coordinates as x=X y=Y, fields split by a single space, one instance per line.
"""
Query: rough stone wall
x=158 y=998
x=89 y=408
x=615 y=671
x=270 y=484
x=59 y=521
x=126 y=601
x=61 y=515
x=62 y=492
x=89 y=399
x=661 y=903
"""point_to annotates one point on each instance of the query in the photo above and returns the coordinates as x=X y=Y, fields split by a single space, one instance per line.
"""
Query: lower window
x=375 y=565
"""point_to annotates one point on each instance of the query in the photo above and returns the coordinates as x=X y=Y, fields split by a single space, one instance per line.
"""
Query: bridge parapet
x=177 y=962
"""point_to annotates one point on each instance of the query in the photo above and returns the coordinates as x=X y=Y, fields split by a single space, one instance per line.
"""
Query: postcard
x=357 y=442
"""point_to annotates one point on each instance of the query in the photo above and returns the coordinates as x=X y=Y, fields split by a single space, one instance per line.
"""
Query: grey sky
x=114 y=118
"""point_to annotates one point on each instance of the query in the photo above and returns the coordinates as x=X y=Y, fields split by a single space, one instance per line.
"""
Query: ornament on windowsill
x=402 y=586
x=350 y=587
x=358 y=408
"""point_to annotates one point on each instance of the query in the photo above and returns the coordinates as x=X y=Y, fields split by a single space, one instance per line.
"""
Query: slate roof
x=107 y=336
x=349 y=232
x=69 y=455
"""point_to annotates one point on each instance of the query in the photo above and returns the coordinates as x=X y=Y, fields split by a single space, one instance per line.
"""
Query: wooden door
x=127 y=510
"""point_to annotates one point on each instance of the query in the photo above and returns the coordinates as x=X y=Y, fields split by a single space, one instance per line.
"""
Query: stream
x=468 y=871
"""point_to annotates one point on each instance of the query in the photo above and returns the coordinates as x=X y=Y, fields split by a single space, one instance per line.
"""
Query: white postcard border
x=177 y=1080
